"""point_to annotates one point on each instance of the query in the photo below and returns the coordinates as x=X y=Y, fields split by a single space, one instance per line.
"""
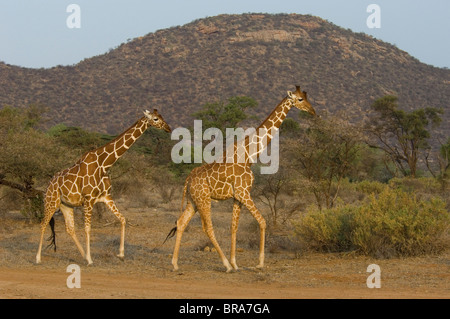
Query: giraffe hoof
x=230 y=269
x=121 y=257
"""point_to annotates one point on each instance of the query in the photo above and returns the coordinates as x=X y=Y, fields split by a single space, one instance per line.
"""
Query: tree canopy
x=223 y=114
x=27 y=153
x=401 y=134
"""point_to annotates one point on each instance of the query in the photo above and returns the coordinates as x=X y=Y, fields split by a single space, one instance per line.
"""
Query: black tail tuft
x=52 y=237
x=171 y=234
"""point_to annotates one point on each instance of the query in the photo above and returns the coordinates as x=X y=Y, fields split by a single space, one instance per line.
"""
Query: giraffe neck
x=111 y=152
x=277 y=116
x=256 y=144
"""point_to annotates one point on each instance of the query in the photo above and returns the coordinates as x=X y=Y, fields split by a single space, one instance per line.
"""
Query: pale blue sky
x=33 y=33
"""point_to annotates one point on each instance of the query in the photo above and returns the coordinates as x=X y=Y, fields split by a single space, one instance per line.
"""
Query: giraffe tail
x=174 y=230
x=52 y=237
x=171 y=234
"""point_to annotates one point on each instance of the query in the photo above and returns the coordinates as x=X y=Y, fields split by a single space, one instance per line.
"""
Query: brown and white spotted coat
x=87 y=182
x=223 y=180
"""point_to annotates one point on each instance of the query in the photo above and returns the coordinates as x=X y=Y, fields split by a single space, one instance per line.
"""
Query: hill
x=178 y=69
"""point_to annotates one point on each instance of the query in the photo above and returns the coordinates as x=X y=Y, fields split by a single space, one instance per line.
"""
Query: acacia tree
x=223 y=114
x=270 y=188
x=401 y=135
x=325 y=153
x=443 y=162
x=27 y=155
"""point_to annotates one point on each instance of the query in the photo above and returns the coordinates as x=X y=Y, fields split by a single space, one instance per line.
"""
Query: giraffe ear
x=289 y=93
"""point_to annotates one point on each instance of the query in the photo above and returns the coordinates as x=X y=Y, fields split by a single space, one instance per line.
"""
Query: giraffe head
x=155 y=119
x=300 y=101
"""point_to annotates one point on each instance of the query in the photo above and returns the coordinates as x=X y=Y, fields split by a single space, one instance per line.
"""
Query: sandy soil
x=146 y=271
x=100 y=283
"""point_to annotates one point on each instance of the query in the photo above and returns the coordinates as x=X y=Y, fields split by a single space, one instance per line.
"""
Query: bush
x=393 y=224
x=326 y=229
x=422 y=185
x=10 y=199
x=398 y=224
x=33 y=207
x=370 y=187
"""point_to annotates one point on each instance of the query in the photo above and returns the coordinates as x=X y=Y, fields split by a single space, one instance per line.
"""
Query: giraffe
x=87 y=182
x=222 y=180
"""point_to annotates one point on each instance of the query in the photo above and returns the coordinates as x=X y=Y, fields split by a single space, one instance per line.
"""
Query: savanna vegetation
x=375 y=188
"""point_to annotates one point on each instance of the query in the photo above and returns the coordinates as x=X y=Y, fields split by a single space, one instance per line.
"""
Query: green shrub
x=33 y=207
x=370 y=187
x=327 y=229
x=422 y=185
x=394 y=223
x=398 y=224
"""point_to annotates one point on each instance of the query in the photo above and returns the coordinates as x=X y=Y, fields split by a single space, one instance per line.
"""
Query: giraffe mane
x=268 y=116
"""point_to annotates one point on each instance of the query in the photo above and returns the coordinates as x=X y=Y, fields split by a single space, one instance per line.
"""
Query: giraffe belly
x=70 y=191
x=224 y=191
x=74 y=200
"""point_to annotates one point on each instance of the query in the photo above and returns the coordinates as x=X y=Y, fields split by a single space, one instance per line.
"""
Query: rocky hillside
x=177 y=70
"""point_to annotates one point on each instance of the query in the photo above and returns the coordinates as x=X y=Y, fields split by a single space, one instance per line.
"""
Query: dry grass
x=287 y=264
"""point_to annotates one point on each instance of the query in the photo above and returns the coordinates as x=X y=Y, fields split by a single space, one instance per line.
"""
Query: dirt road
x=146 y=271
x=38 y=282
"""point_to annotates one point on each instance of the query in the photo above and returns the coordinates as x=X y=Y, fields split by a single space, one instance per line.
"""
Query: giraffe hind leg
x=182 y=223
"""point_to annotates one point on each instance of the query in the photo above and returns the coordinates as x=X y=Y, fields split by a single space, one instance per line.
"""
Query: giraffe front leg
x=70 y=227
x=113 y=208
x=262 y=228
x=87 y=229
x=234 y=227
x=205 y=213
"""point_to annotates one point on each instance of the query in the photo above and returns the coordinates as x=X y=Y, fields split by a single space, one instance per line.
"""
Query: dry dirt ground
x=147 y=272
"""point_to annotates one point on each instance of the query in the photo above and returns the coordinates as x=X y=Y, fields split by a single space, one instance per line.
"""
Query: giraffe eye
x=155 y=119
x=300 y=99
